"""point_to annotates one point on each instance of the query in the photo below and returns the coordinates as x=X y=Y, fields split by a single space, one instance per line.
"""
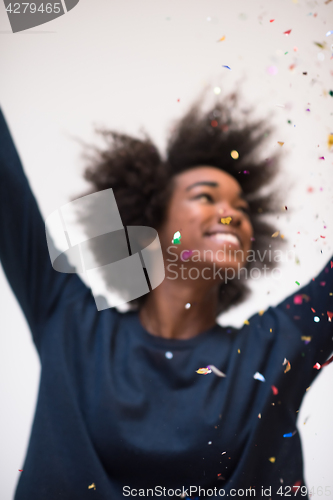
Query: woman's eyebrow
x=202 y=183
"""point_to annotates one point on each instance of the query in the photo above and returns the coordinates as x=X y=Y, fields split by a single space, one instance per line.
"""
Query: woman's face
x=202 y=196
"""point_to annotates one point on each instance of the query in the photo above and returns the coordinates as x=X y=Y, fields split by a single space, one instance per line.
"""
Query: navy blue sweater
x=116 y=410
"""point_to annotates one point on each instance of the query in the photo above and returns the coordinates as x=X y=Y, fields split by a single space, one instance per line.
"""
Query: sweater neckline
x=174 y=343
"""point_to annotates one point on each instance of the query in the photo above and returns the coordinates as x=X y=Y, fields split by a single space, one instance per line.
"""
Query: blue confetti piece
x=288 y=435
x=223 y=66
x=329 y=33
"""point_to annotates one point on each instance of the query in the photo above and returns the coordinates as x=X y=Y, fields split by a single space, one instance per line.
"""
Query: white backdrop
x=125 y=65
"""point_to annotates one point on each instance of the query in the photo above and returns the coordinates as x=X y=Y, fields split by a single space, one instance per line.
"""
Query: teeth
x=227 y=237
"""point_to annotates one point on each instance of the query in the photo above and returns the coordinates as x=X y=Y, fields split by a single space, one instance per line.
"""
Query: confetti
x=234 y=155
x=275 y=390
x=321 y=158
x=246 y=322
x=272 y=459
x=176 y=238
x=274 y=235
x=186 y=254
x=261 y=312
x=317 y=366
x=187 y=306
x=288 y=435
x=259 y=415
x=306 y=339
x=20 y=470
x=288 y=367
x=224 y=66
x=297 y=283
x=91 y=486
x=281 y=143
x=216 y=371
x=226 y=220
x=258 y=376
x=329 y=33
x=313 y=310
x=271 y=20
x=203 y=371
x=316 y=319
x=296 y=486
x=287 y=32
x=330 y=315
x=238 y=350
x=221 y=39
x=330 y=137
x=169 y=355
x=298 y=299
x=328 y=361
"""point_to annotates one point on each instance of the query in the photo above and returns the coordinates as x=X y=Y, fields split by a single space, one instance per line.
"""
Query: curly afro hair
x=142 y=181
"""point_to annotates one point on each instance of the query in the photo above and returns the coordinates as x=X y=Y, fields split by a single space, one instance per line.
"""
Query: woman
x=123 y=407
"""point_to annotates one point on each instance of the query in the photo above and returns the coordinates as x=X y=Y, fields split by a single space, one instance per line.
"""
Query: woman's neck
x=166 y=313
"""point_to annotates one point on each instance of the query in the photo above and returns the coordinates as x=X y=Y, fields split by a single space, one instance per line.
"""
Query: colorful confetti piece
x=221 y=39
x=203 y=371
x=288 y=367
x=272 y=459
x=176 y=238
x=281 y=143
x=297 y=283
x=317 y=366
x=226 y=220
x=224 y=66
x=234 y=155
x=258 y=376
x=275 y=390
x=287 y=32
x=91 y=486
x=216 y=371
x=274 y=235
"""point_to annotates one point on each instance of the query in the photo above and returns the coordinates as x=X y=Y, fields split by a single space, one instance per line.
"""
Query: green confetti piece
x=285 y=53
x=297 y=283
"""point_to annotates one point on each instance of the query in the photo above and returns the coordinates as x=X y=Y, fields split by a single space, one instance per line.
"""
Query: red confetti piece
x=275 y=390
x=20 y=470
x=271 y=20
x=317 y=366
x=296 y=486
x=313 y=310
x=322 y=236
x=214 y=123
x=330 y=315
x=298 y=299
x=287 y=32
x=331 y=264
x=328 y=361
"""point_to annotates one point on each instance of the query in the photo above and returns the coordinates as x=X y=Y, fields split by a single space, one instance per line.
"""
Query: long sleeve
x=310 y=309
x=23 y=247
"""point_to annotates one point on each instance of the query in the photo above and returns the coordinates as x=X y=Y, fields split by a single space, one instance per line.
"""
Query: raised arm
x=311 y=309
x=23 y=247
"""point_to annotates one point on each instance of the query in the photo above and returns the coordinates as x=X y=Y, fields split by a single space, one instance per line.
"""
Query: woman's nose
x=230 y=216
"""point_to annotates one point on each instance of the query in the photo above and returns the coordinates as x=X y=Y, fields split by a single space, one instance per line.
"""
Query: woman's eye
x=204 y=196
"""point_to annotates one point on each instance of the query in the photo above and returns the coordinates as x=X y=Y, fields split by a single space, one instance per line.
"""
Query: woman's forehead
x=206 y=174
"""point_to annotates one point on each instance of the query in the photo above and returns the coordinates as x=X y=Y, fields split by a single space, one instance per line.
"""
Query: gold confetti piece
x=238 y=351
x=204 y=371
x=308 y=388
x=272 y=459
x=270 y=330
x=282 y=236
x=246 y=322
x=274 y=235
x=261 y=312
x=92 y=486
x=288 y=367
x=281 y=143
x=226 y=220
x=234 y=155
x=330 y=140
x=259 y=415
x=221 y=39
x=307 y=339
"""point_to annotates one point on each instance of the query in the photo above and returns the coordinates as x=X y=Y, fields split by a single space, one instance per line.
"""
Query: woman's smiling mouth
x=224 y=237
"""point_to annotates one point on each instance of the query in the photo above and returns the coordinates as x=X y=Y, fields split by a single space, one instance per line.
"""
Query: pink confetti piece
x=321 y=157
x=275 y=390
x=298 y=299
x=317 y=366
x=287 y=32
